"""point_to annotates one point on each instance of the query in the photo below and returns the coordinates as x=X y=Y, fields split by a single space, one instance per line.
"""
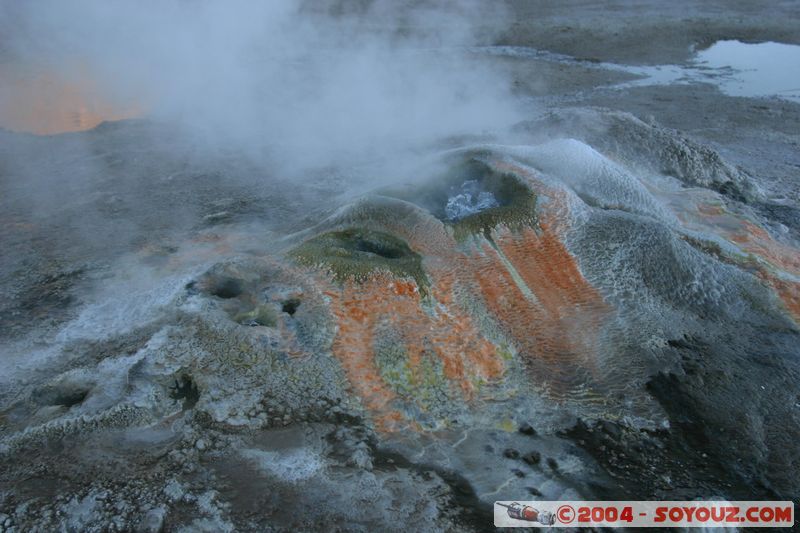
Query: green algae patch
x=357 y=253
x=262 y=315
x=507 y=425
x=505 y=352
x=423 y=383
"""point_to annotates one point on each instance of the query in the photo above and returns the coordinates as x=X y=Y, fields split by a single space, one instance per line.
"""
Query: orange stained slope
x=757 y=241
x=556 y=321
x=568 y=311
x=361 y=308
x=754 y=239
x=529 y=284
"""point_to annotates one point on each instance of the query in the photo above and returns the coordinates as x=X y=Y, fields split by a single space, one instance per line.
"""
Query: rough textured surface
x=191 y=343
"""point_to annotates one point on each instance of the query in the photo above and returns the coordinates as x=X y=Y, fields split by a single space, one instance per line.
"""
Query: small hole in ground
x=70 y=398
x=290 y=306
x=227 y=288
x=186 y=390
x=387 y=251
x=67 y=396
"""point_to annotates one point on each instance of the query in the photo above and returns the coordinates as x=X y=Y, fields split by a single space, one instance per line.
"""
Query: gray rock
x=153 y=521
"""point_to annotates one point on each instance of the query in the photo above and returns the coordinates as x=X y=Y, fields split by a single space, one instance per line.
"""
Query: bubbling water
x=468 y=200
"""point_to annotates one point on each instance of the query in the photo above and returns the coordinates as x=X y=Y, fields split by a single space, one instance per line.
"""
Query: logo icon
x=566 y=514
x=527 y=513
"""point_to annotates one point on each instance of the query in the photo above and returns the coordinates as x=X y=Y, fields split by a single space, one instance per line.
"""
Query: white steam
x=301 y=85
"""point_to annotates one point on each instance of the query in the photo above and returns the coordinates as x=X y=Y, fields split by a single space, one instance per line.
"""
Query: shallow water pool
x=762 y=69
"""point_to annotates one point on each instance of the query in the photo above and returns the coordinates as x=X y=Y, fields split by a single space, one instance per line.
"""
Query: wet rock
x=174 y=491
x=511 y=453
x=361 y=459
x=214 y=218
x=611 y=429
x=153 y=521
x=532 y=458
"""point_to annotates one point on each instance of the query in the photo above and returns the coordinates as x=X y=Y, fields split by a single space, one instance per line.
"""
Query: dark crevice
x=191 y=288
x=372 y=247
x=227 y=288
x=186 y=390
x=69 y=398
x=290 y=306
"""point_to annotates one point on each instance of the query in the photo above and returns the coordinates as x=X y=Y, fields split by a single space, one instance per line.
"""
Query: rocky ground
x=194 y=343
